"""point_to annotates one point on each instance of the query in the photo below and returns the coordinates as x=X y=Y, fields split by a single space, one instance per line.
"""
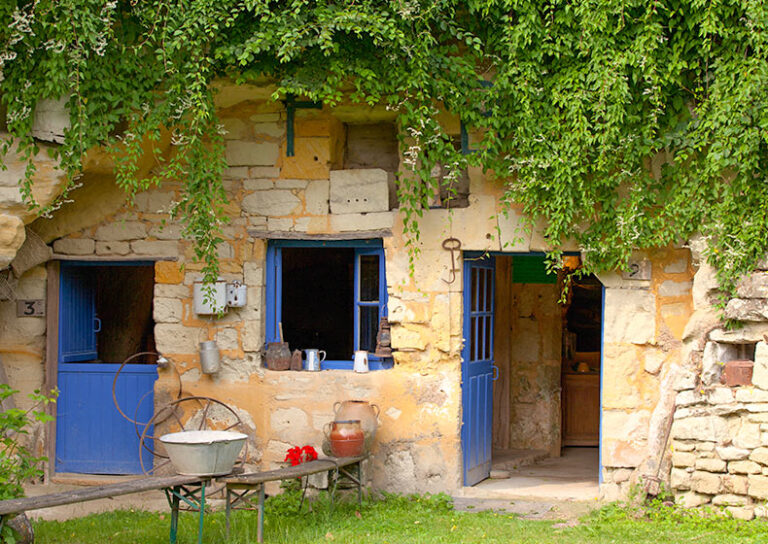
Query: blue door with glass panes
x=91 y=435
x=477 y=368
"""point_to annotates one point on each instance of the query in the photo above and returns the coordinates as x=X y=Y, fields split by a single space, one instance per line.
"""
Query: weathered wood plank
x=13 y=506
x=291 y=235
x=112 y=259
x=501 y=427
x=304 y=469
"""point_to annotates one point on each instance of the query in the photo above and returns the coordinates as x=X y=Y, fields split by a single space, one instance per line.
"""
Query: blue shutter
x=77 y=315
x=363 y=306
x=274 y=292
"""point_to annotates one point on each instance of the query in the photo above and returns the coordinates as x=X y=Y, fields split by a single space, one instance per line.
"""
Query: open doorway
x=546 y=396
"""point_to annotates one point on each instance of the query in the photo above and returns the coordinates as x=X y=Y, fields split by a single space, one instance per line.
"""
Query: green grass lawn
x=397 y=520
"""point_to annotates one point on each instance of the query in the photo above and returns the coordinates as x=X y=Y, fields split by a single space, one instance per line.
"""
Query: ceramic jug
x=361 y=361
x=346 y=437
x=278 y=356
x=368 y=414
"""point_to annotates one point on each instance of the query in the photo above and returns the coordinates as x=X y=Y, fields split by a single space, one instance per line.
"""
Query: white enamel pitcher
x=361 y=361
x=314 y=359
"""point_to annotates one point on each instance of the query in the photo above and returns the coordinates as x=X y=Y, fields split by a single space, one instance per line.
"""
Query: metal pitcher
x=314 y=359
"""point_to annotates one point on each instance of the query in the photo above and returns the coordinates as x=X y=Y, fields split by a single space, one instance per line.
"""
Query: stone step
x=527 y=509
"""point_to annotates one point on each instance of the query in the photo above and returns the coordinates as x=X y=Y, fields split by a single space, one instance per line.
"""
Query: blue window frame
x=367 y=295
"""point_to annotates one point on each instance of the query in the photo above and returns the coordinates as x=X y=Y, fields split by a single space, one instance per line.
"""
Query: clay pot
x=278 y=356
x=368 y=414
x=738 y=373
x=346 y=438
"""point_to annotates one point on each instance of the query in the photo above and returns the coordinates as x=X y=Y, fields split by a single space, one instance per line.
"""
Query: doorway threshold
x=572 y=477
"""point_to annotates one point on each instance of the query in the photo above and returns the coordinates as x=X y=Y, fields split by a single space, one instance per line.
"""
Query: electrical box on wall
x=215 y=298
x=236 y=294
x=210 y=298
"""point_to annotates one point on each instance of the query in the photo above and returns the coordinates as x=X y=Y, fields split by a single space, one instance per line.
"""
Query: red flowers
x=297 y=455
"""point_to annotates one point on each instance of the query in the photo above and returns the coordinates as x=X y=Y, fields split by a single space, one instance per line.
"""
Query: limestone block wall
x=531 y=357
x=22 y=349
x=720 y=434
x=644 y=324
x=418 y=447
x=22 y=339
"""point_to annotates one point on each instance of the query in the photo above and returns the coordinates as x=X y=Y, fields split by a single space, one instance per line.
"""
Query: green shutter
x=531 y=269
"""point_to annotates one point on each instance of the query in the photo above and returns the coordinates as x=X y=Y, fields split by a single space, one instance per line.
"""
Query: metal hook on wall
x=453 y=245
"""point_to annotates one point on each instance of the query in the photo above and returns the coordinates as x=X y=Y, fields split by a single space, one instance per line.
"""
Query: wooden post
x=501 y=430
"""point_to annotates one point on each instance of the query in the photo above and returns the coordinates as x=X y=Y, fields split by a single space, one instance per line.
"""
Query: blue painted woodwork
x=77 y=315
x=91 y=435
x=477 y=368
x=274 y=287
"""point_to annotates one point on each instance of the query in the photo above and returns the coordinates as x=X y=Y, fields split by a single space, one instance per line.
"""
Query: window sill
x=383 y=364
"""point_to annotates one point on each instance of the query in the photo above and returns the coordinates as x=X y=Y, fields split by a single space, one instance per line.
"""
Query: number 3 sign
x=30 y=308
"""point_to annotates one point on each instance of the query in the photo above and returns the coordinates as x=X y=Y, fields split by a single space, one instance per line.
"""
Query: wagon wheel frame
x=170 y=411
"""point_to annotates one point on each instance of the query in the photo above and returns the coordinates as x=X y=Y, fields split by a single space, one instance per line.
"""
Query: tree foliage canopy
x=624 y=123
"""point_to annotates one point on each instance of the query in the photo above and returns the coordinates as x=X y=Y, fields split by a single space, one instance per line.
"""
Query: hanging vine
x=623 y=123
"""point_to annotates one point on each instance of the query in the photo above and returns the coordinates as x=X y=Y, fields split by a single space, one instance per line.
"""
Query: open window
x=328 y=295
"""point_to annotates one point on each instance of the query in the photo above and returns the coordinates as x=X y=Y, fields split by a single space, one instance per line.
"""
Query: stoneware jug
x=361 y=361
x=368 y=414
x=346 y=437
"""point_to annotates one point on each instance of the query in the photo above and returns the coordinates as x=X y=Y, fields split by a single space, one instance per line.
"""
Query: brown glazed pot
x=367 y=413
x=738 y=373
x=346 y=438
x=278 y=356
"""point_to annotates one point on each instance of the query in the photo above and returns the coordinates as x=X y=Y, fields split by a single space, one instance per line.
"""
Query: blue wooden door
x=91 y=435
x=477 y=368
x=78 y=323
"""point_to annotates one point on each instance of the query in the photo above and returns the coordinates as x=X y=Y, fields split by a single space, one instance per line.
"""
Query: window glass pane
x=474 y=289
x=369 y=327
x=369 y=278
x=487 y=331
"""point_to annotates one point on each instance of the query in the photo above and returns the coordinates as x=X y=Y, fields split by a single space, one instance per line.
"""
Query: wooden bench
x=242 y=487
x=189 y=489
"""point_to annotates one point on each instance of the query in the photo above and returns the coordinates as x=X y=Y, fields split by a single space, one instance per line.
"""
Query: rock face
x=723 y=429
x=650 y=354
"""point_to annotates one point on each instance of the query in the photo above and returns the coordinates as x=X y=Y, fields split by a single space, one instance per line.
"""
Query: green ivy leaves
x=624 y=124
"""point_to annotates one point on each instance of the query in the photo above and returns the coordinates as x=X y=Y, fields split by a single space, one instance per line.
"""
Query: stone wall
x=418 y=447
x=531 y=357
x=720 y=434
x=644 y=323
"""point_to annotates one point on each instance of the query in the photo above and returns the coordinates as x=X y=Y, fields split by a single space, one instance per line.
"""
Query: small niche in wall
x=373 y=145
x=718 y=354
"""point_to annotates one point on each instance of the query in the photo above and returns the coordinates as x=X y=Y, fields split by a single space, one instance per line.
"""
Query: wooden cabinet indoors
x=581 y=409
